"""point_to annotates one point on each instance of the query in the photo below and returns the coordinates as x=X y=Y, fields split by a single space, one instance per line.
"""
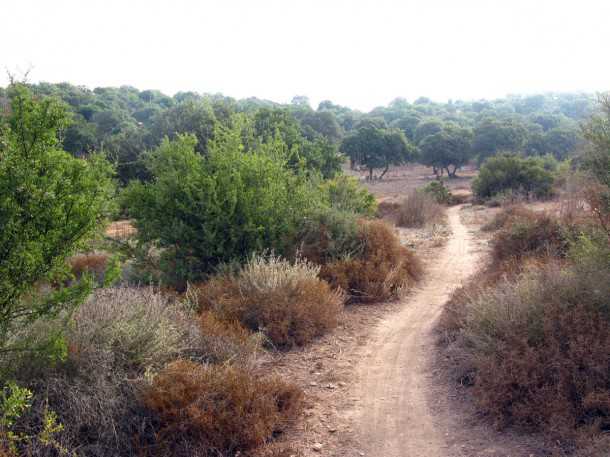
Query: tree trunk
x=385 y=170
x=371 y=174
x=452 y=173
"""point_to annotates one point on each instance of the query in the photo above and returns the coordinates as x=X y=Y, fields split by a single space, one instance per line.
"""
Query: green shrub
x=506 y=172
x=328 y=235
x=50 y=203
x=203 y=211
x=346 y=194
x=438 y=191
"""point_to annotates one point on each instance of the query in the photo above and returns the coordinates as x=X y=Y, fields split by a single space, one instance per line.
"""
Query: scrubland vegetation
x=247 y=237
x=252 y=241
x=531 y=332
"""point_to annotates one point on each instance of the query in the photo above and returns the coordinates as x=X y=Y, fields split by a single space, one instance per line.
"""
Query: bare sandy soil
x=400 y=180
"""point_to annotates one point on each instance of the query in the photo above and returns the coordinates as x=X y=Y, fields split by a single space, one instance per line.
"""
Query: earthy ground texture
x=376 y=386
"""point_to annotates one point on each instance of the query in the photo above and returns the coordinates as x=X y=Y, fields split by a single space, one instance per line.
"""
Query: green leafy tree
x=427 y=127
x=448 y=149
x=318 y=155
x=50 y=203
x=561 y=141
x=205 y=210
x=374 y=148
x=195 y=117
x=494 y=135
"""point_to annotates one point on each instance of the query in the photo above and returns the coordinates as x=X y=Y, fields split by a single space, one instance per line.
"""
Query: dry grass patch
x=94 y=263
x=286 y=301
x=218 y=410
x=419 y=209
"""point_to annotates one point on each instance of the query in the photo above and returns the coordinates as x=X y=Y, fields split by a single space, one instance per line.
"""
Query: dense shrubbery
x=115 y=339
x=202 y=211
x=116 y=343
x=511 y=173
x=381 y=270
x=540 y=348
x=538 y=234
x=328 y=235
x=50 y=203
x=346 y=194
x=418 y=209
x=206 y=410
x=285 y=301
x=531 y=332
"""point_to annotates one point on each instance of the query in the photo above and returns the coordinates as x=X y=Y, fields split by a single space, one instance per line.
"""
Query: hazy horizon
x=359 y=54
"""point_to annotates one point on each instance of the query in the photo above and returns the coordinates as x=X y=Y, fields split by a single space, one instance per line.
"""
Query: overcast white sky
x=360 y=53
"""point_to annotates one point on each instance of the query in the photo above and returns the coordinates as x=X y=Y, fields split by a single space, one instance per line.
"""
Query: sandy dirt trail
x=395 y=418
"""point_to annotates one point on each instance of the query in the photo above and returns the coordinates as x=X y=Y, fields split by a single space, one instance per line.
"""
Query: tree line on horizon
x=125 y=122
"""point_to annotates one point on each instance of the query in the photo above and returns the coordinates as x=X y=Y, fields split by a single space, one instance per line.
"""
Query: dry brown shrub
x=558 y=383
x=382 y=271
x=115 y=341
x=507 y=216
x=94 y=263
x=224 y=341
x=285 y=301
x=537 y=234
x=536 y=348
x=419 y=209
x=218 y=409
x=387 y=208
x=4 y=451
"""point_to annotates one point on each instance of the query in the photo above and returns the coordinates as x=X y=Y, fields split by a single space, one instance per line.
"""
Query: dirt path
x=378 y=387
x=396 y=418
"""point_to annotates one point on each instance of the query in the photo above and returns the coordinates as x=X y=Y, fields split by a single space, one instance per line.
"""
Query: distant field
x=399 y=180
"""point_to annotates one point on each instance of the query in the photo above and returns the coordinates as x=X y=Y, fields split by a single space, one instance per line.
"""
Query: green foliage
x=494 y=135
x=328 y=235
x=316 y=153
x=14 y=402
x=124 y=122
x=507 y=172
x=438 y=191
x=426 y=128
x=374 y=146
x=50 y=203
x=203 y=211
x=448 y=149
x=597 y=133
x=346 y=194
x=194 y=117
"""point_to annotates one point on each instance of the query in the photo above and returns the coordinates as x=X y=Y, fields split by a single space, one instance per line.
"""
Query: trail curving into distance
x=395 y=418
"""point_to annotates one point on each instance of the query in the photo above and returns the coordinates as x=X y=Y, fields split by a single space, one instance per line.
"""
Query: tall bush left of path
x=200 y=211
x=50 y=203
